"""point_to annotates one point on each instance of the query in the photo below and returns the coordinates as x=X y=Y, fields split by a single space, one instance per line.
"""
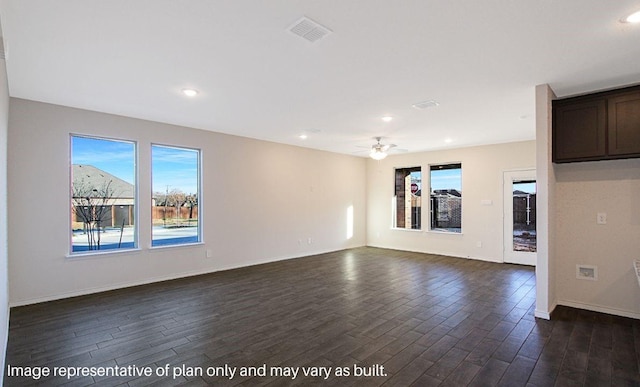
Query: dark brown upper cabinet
x=599 y=126
x=624 y=125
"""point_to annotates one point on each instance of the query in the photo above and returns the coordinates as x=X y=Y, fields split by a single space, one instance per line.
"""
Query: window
x=103 y=194
x=407 y=198
x=176 y=183
x=446 y=197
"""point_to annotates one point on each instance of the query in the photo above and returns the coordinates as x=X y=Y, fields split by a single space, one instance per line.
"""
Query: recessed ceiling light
x=303 y=136
x=190 y=92
x=387 y=118
x=448 y=140
x=633 y=18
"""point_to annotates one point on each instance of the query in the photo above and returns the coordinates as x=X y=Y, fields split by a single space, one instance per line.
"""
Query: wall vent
x=587 y=272
x=309 y=30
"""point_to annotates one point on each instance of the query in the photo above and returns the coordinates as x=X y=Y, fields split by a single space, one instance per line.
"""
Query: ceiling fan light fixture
x=377 y=154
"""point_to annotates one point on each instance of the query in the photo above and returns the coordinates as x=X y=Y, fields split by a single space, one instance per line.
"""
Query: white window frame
x=199 y=234
x=136 y=201
x=429 y=206
x=394 y=201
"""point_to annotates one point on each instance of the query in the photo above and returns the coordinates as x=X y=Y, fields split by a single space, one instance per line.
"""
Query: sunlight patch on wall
x=350 y=222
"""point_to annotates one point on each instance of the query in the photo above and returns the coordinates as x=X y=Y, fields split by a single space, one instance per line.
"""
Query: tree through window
x=176 y=202
x=103 y=194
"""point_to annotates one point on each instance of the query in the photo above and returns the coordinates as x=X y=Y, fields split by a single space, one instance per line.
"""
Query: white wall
x=4 y=287
x=582 y=191
x=545 y=175
x=261 y=202
x=482 y=179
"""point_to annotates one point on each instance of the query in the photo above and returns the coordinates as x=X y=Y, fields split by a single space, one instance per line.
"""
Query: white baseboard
x=542 y=314
x=445 y=254
x=600 y=308
x=100 y=289
x=545 y=314
x=146 y=281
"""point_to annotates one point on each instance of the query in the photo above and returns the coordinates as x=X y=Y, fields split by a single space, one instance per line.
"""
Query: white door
x=520 y=244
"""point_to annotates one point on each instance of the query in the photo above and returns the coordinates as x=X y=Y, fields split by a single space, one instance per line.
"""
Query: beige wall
x=251 y=187
x=4 y=287
x=583 y=190
x=482 y=180
x=261 y=202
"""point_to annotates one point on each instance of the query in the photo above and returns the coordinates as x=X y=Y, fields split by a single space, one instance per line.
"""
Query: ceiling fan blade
x=379 y=148
x=387 y=147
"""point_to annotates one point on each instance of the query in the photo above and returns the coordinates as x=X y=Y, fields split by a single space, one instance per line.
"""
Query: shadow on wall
x=609 y=170
x=606 y=171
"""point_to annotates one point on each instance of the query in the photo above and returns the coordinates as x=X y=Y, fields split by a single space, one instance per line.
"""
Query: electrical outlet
x=309 y=241
x=209 y=253
x=601 y=218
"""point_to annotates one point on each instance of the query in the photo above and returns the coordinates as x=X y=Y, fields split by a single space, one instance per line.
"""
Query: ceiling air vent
x=425 y=104
x=309 y=30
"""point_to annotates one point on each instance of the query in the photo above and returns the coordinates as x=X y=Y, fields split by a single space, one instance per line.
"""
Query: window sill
x=101 y=253
x=406 y=229
x=444 y=232
x=193 y=244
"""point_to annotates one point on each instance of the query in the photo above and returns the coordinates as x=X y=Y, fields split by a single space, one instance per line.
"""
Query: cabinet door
x=624 y=124
x=579 y=130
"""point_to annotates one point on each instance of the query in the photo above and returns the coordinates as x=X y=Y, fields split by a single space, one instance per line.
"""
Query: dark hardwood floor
x=428 y=320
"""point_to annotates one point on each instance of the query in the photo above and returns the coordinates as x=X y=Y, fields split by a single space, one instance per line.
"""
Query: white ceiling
x=480 y=60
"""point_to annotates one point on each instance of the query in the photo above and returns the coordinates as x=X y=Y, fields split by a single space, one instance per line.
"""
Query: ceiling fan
x=379 y=150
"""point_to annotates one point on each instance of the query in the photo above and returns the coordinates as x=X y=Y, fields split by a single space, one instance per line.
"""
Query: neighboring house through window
x=407 y=198
x=446 y=197
x=103 y=194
